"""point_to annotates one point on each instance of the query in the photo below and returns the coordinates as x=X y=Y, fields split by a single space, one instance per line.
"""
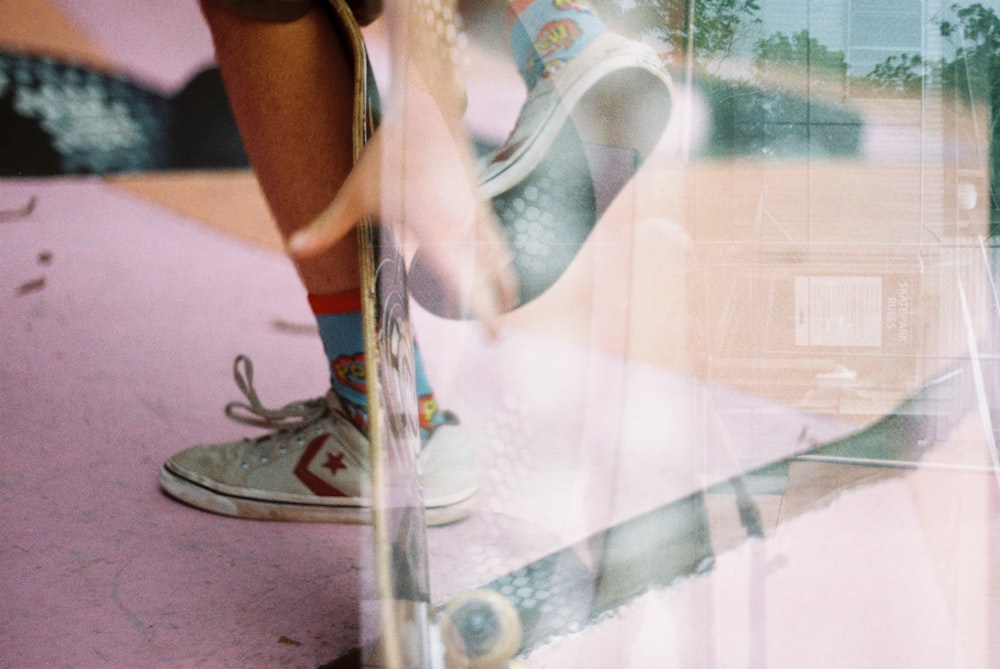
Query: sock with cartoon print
x=339 y=319
x=548 y=33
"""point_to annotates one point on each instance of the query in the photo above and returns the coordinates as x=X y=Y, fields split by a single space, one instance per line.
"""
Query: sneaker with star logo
x=314 y=465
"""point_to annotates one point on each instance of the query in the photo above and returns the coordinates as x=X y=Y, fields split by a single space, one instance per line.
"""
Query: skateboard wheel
x=486 y=627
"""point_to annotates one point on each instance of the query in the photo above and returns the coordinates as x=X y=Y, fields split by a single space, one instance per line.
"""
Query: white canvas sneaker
x=616 y=92
x=314 y=466
x=551 y=181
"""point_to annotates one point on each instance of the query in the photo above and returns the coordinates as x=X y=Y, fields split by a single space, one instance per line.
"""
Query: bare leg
x=291 y=88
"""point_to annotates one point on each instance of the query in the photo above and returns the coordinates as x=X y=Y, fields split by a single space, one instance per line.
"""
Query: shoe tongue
x=334 y=403
x=356 y=416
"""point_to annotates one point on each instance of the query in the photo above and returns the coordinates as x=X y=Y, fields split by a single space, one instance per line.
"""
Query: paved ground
x=124 y=302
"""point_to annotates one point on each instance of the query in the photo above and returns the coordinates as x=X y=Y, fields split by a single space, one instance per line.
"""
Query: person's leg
x=290 y=86
x=290 y=80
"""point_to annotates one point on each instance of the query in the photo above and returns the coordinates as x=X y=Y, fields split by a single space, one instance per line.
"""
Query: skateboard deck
x=479 y=629
x=576 y=585
x=399 y=544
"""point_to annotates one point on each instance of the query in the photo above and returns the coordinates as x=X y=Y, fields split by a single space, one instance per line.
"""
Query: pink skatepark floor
x=121 y=318
x=112 y=365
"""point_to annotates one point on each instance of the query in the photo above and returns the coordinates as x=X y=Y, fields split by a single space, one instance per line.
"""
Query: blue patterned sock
x=339 y=319
x=548 y=33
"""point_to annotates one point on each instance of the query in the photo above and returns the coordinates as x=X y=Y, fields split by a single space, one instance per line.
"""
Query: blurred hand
x=418 y=169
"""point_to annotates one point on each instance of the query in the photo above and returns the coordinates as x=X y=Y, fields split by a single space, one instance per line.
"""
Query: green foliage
x=977 y=25
x=719 y=25
x=976 y=67
x=897 y=76
x=972 y=75
x=798 y=51
x=975 y=74
x=722 y=27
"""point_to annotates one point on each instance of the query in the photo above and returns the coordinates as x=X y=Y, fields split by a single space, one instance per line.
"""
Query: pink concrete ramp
x=120 y=323
x=121 y=320
x=842 y=587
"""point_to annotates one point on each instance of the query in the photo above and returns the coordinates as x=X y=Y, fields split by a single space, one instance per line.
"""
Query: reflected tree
x=972 y=75
x=719 y=26
x=975 y=75
x=896 y=76
x=799 y=49
x=802 y=54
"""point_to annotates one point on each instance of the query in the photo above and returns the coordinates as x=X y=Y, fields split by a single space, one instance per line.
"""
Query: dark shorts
x=365 y=11
x=271 y=10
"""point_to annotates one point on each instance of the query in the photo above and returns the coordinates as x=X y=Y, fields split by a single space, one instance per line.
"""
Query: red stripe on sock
x=518 y=6
x=337 y=303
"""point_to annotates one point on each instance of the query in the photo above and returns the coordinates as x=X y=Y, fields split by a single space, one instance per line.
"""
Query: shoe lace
x=253 y=412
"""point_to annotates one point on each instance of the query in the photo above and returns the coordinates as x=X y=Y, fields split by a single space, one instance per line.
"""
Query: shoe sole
x=548 y=214
x=203 y=498
x=639 y=119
